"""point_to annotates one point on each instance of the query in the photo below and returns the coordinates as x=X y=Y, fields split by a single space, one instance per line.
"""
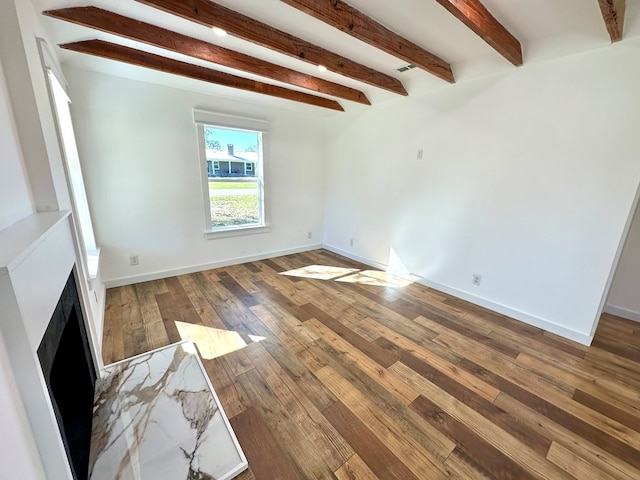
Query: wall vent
x=410 y=66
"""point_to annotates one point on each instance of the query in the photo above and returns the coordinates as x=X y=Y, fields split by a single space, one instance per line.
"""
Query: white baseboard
x=119 y=282
x=357 y=258
x=622 y=312
x=580 y=337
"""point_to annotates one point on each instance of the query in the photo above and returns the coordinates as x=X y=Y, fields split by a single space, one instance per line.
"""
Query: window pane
x=235 y=177
x=234 y=153
x=234 y=203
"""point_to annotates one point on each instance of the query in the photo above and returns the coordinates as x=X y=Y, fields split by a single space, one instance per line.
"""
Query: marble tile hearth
x=156 y=416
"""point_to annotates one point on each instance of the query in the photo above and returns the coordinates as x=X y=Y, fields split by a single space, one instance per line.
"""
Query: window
x=232 y=170
x=75 y=181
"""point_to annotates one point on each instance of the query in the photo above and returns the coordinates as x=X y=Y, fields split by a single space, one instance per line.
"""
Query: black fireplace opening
x=70 y=375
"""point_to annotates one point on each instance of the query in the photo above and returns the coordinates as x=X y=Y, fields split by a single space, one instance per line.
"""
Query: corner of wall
x=623 y=312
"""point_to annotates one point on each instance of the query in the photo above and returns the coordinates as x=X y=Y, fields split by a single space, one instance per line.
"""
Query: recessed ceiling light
x=322 y=68
x=220 y=32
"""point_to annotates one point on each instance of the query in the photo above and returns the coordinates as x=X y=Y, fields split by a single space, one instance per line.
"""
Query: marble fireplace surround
x=157 y=416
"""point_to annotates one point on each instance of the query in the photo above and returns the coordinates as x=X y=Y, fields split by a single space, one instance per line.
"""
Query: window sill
x=236 y=232
x=93 y=263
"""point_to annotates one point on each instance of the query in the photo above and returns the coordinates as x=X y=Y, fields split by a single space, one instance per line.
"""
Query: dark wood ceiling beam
x=475 y=16
x=211 y=14
x=113 y=23
x=613 y=13
x=355 y=23
x=120 y=53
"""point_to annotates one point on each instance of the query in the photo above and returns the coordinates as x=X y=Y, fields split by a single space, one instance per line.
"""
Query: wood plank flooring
x=329 y=371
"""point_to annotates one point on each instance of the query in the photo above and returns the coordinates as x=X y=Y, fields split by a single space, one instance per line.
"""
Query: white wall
x=139 y=152
x=19 y=29
x=18 y=453
x=624 y=296
x=527 y=179
x=15 y=196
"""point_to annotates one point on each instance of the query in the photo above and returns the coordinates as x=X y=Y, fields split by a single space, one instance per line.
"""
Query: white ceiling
x=545 y=28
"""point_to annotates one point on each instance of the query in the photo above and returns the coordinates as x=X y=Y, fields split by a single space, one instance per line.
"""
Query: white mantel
x=36 y=257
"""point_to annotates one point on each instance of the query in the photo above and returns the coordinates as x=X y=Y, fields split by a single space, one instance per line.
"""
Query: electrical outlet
x=420 y=154
x=309 y=235
x=476 y=279
x=133 y=260
x=351 y=242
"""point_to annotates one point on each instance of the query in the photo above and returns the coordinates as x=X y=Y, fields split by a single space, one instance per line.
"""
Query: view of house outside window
x=234 y=171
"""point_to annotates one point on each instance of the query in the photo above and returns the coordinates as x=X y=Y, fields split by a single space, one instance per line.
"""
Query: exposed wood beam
x=113 y=23
x=613 y=13
x=211 y=14
x=120 y=53
x=349 y=20
x=475 y=16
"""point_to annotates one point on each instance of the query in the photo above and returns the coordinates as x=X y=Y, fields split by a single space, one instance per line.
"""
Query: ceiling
x=546 y=29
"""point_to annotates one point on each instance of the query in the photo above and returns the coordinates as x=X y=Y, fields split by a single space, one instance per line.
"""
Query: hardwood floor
x=330 y=373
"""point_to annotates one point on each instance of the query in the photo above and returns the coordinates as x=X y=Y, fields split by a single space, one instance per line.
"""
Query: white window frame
x=202 y=119
x=86 y=247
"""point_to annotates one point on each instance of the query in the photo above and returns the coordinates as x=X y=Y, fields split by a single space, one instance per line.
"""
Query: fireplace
x=70 y=376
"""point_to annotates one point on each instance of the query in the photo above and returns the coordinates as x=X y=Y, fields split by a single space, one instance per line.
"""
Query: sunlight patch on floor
x=320 y=272
x=211 y=342
x=377 y=278
x=397 y=278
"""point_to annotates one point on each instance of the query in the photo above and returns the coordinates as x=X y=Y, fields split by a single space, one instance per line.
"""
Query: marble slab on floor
x=157 y=417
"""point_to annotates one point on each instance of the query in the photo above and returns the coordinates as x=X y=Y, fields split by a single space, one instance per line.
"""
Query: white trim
x=236 y=231
x=622 y=312
x=71 y=163
x=224 y=120
x=119 y=282
x=357 y=258
x=19 y=240
x=204 y=176
x=203 y=168
x=580 y=337
x=50 y=61
x=93 y=263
